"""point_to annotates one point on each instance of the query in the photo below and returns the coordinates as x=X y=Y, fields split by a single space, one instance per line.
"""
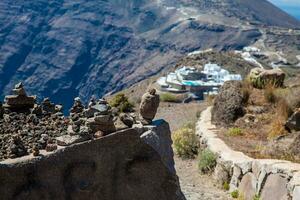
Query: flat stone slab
x=275 y=188
x=296 y=193
x=248 y=186
x=67 y=140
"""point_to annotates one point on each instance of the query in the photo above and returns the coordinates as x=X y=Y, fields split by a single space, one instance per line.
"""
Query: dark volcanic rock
x=64 y=49
x=228 y=104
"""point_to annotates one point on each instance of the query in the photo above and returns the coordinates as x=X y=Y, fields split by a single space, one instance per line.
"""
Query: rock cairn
x=19 y=101
x=28 y=127
x=102 y=119
x=148 y=107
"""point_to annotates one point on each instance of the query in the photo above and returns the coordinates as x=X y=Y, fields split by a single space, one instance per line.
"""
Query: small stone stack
x=77 y=107
x=102 y=120
x=77 y=117
x=16 y=147
x=148 y=107
x=47 y=106
x=19 y=102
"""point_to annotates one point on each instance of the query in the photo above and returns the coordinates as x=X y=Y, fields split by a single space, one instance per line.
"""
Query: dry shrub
x=283 y=109
x=234 y=131
x=269 y=94
x=210 y=99
x=277 y=128
x=185 y=142
x=121 y=102
x=246 y=90
x=171 y=98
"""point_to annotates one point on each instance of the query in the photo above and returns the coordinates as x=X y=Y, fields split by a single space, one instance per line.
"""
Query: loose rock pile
x=27 y=127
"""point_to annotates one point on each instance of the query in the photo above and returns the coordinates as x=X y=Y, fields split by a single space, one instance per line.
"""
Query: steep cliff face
x=67 y=48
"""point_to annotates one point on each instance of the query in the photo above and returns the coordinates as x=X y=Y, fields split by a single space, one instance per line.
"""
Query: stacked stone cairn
x=102 y=120
x=27 y=127
x=148 y=107
x=19 y=101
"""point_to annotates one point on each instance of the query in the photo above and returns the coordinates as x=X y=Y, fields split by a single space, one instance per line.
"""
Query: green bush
x=235 y=194
x=234 y=132
x=121 y=102
x=256 y=197
x=167 y=97
x=207 y=161
x=185 y=142
x=226 y=186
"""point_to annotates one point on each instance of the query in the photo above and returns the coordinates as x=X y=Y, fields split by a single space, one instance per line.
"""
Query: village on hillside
x=196 y=83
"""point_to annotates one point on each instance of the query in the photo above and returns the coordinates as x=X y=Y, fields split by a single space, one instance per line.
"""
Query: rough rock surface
x=118 y=166
x=275 y=188
x=19 y=101
x=228 y=104
x=261 y=78
x=158 y=136
x=149 y=106
x=293 y=122
x=247 y=186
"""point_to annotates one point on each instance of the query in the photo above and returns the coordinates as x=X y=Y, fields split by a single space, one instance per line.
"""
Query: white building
x=189 y=79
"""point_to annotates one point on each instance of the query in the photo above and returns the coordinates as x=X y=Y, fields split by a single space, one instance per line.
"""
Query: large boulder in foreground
x=133 y=164
x=261 y=78
x=228 y=104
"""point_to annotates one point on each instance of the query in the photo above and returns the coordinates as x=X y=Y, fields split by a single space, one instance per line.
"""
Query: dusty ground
x=196 y=186
x=179 y=114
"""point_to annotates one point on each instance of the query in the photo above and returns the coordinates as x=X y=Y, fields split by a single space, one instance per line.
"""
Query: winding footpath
x=196 y=186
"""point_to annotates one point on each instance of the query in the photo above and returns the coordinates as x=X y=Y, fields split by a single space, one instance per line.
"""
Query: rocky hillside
x=66 y=48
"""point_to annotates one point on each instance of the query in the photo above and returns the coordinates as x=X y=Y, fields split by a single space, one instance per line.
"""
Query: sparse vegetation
x=226 y=186
x=121 y=102
x=210 y=99
x=283 y=109
x=256 y=197
x=241 y=197
x=207 y=161
x=276 y=129
x=235 y=131
x=246 y=90
x=185 y=142
x=235 y=194
x=167 y=97
x=269 y=93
